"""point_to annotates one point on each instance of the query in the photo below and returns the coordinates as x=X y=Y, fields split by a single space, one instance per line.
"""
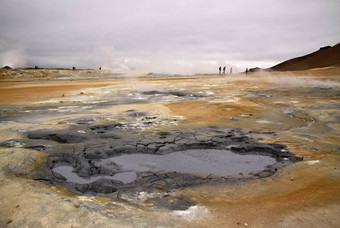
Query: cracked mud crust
x=89 y=160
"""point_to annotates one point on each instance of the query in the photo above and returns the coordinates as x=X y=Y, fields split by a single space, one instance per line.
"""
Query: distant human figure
x=73 y=68
x=219 y=70
x=100 y=68
x=247 y=71
x=224 y=70
x=231 y=70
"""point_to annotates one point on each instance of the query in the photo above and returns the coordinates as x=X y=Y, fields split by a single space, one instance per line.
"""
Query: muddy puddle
x=198 y=162
x=66 y=171
x=110 y=158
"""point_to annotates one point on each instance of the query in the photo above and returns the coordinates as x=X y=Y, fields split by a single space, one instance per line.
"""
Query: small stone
x=110 y=214
x=63 y=95
x=81 y=92
x=76 y=205
x=292 y=178
x=9 y=221
x=61 y=101
x=160 y=187
x=246 y=224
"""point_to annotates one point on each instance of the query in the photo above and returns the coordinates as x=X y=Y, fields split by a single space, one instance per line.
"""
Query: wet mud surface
x=104 y=151
x=141 y=162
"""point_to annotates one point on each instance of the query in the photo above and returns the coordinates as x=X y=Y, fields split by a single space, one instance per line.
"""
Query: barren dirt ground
x=298 y=109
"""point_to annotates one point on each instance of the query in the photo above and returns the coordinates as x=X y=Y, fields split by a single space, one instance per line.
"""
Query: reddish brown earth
x=324 y=57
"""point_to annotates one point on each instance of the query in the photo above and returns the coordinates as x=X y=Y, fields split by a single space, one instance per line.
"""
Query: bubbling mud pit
x=176 y=159
x=200 y=162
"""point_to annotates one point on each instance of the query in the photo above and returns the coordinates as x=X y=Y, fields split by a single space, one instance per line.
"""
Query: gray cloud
x=181 y=36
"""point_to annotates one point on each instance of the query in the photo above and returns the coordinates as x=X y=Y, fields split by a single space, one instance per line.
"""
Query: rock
x=77 y=205
x=103 y=186
x=160 y=187
x=81 y=187
x=264 y=174
x=57 y=137
x=292 y=178
x=136 y=114
x=246 y=224
x=173 y=203
x=110 y=214
x=12 y=143
x=324 y=48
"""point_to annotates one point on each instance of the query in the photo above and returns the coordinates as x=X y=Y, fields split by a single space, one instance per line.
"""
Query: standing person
x=219 y=70
x=246 y=71
x=231 y=70
x=224 y=70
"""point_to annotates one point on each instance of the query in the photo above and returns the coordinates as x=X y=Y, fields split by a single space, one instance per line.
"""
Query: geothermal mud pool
x=199 y=162
x=172 y=151
x=143 y=163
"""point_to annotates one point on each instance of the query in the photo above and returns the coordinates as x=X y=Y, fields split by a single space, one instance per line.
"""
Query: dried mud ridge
x=86 y=153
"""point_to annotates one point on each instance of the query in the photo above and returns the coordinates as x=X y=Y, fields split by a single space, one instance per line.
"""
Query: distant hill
x=324 y=57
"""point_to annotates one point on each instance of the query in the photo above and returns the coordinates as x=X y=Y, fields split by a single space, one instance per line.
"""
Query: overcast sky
x=166 y=36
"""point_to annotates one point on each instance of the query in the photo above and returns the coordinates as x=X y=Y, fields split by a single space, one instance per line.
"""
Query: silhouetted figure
x=224 y=70
x=36 y=67
x=73 y=68
x=231 y=70
x=100 y=68
x=219 y=70
x=247 y=71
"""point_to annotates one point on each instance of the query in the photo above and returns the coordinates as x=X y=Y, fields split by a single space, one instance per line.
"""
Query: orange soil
x=19 y=92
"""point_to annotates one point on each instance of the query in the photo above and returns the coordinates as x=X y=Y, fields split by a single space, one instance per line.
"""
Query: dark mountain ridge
x=324 y=57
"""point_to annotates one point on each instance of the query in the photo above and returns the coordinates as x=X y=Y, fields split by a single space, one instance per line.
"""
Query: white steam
x=288 y=80
x=12 y=56
x=160 y=61
x=104 y=56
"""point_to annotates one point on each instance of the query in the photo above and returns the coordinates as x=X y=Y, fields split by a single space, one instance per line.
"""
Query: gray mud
x=135 y=161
